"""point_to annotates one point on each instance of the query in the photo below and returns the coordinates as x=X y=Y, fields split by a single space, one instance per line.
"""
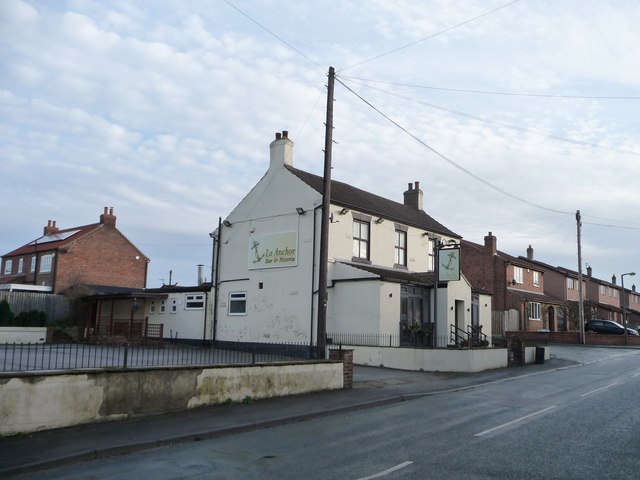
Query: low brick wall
x=32 y=402
x=573 y=338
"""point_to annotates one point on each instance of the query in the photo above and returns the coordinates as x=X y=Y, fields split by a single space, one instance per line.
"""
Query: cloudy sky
x=511 y=118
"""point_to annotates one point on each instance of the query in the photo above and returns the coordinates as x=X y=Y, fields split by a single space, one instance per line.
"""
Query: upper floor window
x=401 y=248
x=163 y=306
x=518 y=274
x=194 y=302
x=534 y=311
x=570 y=284
x=8 y=266
x=20 y=265
x=174 y=305
x=603 y=290
x=432 y=254
x=152 y=306
x=361 y=239
x=46 y=262
x=536 y=278
x=33 y=264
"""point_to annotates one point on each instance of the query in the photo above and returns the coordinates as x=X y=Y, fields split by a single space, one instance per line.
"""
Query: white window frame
x=46 y=263
x=534 y=311
x=33 y=264
x=174 y=305
x=431 y=252
x=536 y=279
x=237 y=298
x=20 y=265
x=8 y=266
x=400 y=255
x=194 y=301
x=570 y=284
x=518 y=274
x=152 y=306
x=163 y=306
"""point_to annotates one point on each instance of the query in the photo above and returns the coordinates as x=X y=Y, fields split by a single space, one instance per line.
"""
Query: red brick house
x=95 y=254
x=520 y=300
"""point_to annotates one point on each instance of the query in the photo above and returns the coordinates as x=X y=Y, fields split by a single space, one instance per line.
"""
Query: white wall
x=185 y=324
x=23 y=334
x=280 y=311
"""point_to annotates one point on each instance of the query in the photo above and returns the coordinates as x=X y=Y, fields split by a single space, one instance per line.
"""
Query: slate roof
x=48 y=242
x=353 y=198
x=397 y=275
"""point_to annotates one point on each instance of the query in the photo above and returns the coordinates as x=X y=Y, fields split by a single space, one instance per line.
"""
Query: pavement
x=373 y=387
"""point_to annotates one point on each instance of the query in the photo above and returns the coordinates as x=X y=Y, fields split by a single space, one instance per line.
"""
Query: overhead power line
x=430 y=36
x=489 y=92
x=451 y=162
x=501 y=124
x=280 y=39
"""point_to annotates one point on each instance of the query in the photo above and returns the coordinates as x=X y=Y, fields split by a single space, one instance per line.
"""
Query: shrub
x=32 y=318
x=6 y=316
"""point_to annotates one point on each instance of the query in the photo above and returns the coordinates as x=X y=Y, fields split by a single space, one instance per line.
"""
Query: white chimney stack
x=281 y=150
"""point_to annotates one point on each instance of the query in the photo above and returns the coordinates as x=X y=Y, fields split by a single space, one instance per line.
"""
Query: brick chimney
x=51 y=228
x=281 y=150
x=613 y=279
x=413 y=196
x=491 y=244
x=108 y=218
x=589 y=271
x=529 y=253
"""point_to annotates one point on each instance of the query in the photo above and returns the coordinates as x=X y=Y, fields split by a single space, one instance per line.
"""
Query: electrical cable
x=501 y=124
x=451 y=162
x=429 y=36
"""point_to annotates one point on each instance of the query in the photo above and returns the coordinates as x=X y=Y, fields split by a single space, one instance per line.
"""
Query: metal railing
x=405 y=340
x=24 y=357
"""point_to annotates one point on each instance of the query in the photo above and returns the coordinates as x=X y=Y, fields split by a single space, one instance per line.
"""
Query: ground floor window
x=534 y=311
x=237 y=303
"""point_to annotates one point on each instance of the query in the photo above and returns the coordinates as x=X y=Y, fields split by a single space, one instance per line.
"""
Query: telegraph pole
x=580 y=301
x=324 y=231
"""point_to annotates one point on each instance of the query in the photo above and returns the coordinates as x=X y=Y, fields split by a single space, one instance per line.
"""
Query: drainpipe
x=204 y=321
x=216 y=282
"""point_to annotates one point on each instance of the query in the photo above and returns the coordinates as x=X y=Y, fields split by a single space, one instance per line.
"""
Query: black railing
x=405 y=339
x=15 y=357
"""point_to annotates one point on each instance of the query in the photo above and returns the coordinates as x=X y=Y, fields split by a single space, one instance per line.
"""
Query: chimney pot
x=613 y=279
x=530 y=253
x=417 y=185
x=278 y=135
x=285 y=133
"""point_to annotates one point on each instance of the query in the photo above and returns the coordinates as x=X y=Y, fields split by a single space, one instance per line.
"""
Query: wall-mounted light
x=344 y=211
x=300 y=210
x=379 y=220
x=226 y=223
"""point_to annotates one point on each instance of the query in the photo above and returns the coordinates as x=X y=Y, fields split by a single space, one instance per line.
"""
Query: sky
x=512 y=115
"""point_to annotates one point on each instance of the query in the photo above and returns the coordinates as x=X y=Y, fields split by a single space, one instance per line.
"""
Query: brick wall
x=104 y=257
x=573 y=338
x=346 y=356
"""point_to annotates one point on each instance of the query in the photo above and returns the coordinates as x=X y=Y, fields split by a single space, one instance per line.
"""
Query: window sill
x=361 y=260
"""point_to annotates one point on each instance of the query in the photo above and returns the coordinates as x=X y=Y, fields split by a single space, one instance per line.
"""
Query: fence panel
x=55 y=306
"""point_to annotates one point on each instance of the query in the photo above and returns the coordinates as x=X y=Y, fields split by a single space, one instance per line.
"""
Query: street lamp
x=624 y=320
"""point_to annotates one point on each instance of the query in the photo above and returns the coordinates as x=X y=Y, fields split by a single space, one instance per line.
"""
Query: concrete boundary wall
x=36 y=401
x=23 y=334
x=431 y=360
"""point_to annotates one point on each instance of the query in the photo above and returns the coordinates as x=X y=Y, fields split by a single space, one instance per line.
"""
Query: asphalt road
x=578 y=422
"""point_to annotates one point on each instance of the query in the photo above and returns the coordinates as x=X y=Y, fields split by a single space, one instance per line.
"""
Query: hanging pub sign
x=449 y=264
x=273 y=250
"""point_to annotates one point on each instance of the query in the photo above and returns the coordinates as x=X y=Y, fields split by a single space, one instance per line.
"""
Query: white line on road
x=388 y=471
x=515 y=421
x=600 y=389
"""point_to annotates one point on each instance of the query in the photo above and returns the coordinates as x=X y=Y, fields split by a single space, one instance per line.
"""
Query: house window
x=534 y=311
x=570 y=285
x=45 y=263
x=33 y=264
x=20 y=265
x=152 y=306
x=361 y=239
x=8 y=265
x=518 y=274
x=237 y=303
x=603 y=290
x=194 y=302
x=536 y=278
x=163 y=307
x=174 y=305
x=401 y=248
x=432 y=254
